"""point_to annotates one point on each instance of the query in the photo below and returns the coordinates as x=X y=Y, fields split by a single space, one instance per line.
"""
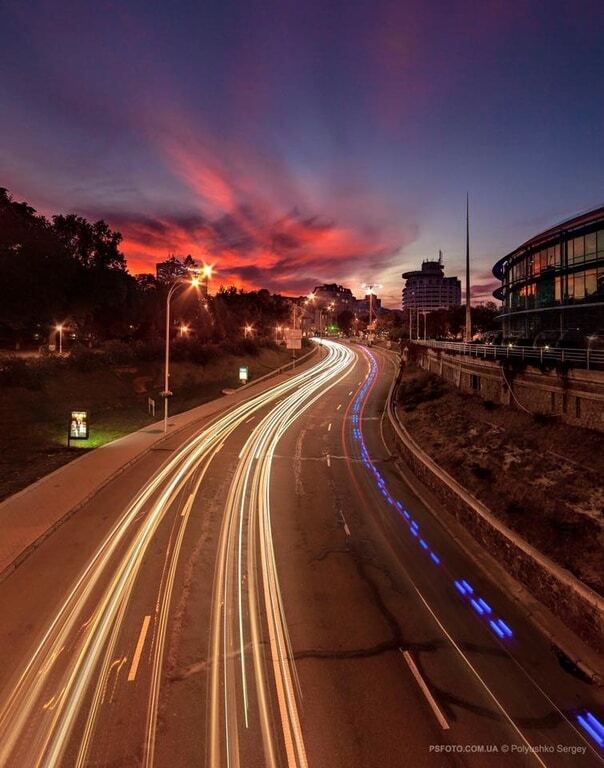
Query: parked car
x=572 y=339
x=518 y=341
x=494 y=338
x=595 y=341
x=547 y=339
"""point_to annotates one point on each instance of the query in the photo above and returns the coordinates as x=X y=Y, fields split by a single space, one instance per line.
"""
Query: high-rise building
x=428 y=289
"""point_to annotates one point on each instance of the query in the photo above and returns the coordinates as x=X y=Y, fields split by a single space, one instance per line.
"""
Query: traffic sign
x=293 y=338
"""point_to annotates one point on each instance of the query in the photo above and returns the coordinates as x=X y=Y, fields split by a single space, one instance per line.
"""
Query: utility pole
x=468 y=333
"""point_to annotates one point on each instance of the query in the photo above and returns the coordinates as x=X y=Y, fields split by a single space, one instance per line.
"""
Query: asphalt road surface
x=266 y=589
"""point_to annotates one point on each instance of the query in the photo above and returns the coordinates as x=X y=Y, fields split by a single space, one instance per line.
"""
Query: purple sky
x=292 y=142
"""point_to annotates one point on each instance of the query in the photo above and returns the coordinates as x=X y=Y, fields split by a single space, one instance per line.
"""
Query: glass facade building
x=555 y=281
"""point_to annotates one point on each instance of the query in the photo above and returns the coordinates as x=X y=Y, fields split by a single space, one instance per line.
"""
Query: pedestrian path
x=29 y=516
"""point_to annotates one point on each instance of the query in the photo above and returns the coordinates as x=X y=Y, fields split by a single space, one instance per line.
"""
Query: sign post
x=78 y=426
x=293 y=341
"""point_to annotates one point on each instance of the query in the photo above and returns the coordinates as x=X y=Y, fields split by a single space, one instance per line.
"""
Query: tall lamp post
x=59 y=328
x=194 y=283
x=371 y=288
x=206 y=273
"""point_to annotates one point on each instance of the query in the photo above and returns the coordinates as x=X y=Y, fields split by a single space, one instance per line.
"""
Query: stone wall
x=576 y=397
x=575 y=604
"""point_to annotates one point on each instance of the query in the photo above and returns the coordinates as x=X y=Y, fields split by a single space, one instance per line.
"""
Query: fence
x=581 y=358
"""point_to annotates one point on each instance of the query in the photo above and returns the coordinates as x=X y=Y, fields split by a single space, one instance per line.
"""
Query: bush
x=149 y=351
x=420 y=389
x=242 y=347
x=17 y=372
x=118 y=352
x=85 y=359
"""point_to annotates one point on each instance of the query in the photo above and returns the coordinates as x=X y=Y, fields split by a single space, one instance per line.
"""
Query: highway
x=267 y=589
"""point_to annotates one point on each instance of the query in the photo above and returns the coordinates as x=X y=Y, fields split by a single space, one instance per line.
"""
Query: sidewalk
x=29 y=516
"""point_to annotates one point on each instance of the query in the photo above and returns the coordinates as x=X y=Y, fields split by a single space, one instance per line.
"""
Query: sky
x=295 y=142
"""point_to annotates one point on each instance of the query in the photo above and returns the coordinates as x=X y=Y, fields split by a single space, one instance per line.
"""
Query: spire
x=468 y=333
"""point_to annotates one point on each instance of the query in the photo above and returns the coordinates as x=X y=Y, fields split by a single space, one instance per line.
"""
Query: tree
x=345 y=319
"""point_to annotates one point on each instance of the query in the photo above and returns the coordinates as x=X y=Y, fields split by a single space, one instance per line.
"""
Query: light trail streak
x=91 y=617
x=247 y=595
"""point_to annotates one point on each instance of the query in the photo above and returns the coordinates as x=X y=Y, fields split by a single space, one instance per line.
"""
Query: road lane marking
x=350 y=393
x=346 y=528
x=189 y=503
x=139 y=649
x=339 y=406
x=328 y=461
x=250 y=419
x=425 y=690
x=329 y=427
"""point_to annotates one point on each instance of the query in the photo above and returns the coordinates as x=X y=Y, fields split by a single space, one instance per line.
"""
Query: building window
x=601 y=242
x=579 y=285
x=591 y=283
x=558 y=290
x=590 y=247
x=579 y=243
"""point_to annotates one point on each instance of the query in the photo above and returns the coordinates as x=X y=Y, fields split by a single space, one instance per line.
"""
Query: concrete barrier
x=570 y=600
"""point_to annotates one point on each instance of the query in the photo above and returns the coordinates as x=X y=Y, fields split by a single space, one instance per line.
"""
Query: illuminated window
x=591 y=283
x=590 y=247
x=601 y=241
x=579 y=249
x=558 y=290
x=580 y=285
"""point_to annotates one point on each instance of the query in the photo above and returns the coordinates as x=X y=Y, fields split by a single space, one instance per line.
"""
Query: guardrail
x=572 y=601
x=583 y=358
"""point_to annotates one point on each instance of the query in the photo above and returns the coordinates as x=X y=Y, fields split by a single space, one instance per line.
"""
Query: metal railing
x=581 y=358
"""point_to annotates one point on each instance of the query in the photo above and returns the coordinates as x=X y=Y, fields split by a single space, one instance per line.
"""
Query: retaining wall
x=576 y=397
x=575 y=604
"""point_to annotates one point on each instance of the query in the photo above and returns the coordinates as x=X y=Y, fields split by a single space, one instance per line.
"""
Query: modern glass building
x=555 y=281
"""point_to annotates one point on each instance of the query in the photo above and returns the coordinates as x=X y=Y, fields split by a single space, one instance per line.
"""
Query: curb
x=575 y=648
x=24 y=554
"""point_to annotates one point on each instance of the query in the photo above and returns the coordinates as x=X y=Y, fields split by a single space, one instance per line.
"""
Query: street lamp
x=59 y=328
x=247 y=330
x=206 y=273
x=184 y=329
x=193 y=283
x=278 y=330
x=371 y=292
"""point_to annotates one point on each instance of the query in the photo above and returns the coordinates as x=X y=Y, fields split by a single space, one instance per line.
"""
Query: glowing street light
x=278 y=330
x=193 y=282
x=59 y=328
x=371 y=288
x=206 y=273
x=248 y=330
x=184 y=328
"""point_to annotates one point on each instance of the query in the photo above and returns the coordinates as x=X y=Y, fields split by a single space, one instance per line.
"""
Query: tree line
x=70 y=271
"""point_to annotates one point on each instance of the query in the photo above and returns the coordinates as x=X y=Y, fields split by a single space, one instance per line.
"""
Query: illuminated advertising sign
x=78 y=425
x=243 y=374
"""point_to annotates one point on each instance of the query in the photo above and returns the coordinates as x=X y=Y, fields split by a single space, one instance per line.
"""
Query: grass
x=33 y=441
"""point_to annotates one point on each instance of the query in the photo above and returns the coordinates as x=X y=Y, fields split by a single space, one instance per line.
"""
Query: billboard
x=293 y=338
x=78 y=425
x=243 y=374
